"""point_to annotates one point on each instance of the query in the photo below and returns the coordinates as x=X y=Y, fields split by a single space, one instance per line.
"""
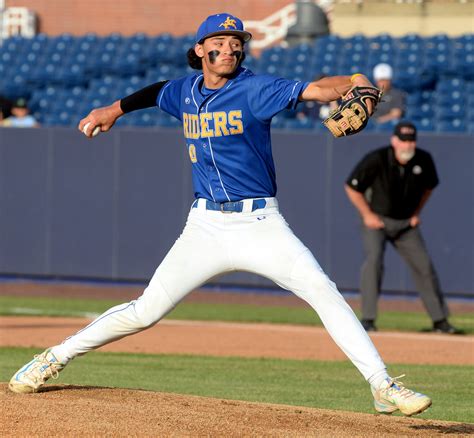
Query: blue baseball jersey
x=227 y=131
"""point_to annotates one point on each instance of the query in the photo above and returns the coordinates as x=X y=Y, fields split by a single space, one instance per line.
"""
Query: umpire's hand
x=373 y=221
x=104 y=118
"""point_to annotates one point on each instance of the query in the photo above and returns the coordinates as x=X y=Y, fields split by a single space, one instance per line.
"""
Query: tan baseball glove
x=353 y=114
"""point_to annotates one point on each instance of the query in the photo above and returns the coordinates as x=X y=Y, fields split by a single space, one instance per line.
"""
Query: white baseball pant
x=214 y=243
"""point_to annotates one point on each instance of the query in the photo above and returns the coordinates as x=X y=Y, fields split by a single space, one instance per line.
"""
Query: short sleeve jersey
x=227 y=131
x=391 y=99
x=391 y=189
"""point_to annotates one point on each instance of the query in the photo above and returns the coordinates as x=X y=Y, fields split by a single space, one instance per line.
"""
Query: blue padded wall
x=112 y=207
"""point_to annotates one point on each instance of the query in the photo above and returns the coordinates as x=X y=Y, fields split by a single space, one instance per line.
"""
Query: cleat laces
x=43 y=369
x=397 y=388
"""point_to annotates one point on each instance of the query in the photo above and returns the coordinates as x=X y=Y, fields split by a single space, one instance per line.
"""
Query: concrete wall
x=183 y=16
x=372 y=18
x=111 y=207
x=130 y=16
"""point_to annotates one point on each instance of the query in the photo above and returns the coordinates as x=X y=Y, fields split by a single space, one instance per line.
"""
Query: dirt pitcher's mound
x=90 y=411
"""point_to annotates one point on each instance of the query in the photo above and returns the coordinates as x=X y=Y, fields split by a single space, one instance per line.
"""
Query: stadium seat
x=385 y=127
x=411 y=113
x=299 y=124
x=65 y=118
x=470 y=115
x=166 y=121
x=278 y=122
x=328 y=44
x=449 y=112
x=425 y=125
x=454 y=125
x=450 y=98
x=450 y=84
x=128 y=65
x=90 y=70
x=144 y=119
x=414 y=99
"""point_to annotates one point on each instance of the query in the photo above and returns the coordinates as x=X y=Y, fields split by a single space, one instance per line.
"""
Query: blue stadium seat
x=65 y=118
x=444 y=64
x=89 y=71
x=299 y=124
x=350 y=69
x=446 y=98
x=427 y=95
x=378 y=57
x=470 y=114
x=414 y=99
x=272 y=69
x=426 y=125
x=382 y=38
x=450 y=84
x=355 y=45
x=454 y=125
x=144 y=118
x=463 y=63
x=72 y=75
x=328 y=59
x=329 y=70
x=128 y=65
x=87 y=45
x=278 y=122
x=453 y=111
x=167 y=121
x=386 y=127
x=273 y=55
x=329 y=43
x=303 y=48
x=463 y=44
x=470 y=87
x=251 y=62
x=14 y=44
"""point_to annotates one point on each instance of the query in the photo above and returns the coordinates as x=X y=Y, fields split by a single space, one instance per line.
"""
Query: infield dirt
x=87 y=411
x=65 y=410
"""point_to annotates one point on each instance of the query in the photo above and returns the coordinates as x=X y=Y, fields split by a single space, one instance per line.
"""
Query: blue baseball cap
x=221 y=24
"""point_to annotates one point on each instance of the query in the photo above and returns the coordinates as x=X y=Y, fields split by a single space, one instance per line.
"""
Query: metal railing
x=272 y=28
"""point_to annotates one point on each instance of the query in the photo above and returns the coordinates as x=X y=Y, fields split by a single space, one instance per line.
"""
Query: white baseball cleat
x=392 y=395
x=32 y=376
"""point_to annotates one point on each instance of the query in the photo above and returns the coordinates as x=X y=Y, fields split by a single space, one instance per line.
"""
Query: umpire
x=389 y=187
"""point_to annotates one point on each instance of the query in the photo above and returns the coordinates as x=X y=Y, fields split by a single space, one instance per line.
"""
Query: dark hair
x=195 y=61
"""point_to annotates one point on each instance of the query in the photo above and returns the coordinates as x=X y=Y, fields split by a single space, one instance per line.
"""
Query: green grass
x=329 y=385
x=44 y=306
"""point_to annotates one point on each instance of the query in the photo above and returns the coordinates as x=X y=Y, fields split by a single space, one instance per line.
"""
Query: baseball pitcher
x=234 y=223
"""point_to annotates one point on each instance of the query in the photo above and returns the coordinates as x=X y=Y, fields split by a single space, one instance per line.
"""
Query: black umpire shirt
x=392 y=189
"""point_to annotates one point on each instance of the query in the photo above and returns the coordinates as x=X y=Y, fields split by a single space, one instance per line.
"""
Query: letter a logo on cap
x=229 y=22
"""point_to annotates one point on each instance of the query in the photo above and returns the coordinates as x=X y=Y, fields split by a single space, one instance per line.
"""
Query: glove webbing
x=348 y=120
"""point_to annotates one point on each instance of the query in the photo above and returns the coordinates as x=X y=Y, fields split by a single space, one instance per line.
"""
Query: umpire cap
x=405 y=131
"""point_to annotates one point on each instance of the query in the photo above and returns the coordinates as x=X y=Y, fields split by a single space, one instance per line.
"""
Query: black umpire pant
x=410 y=245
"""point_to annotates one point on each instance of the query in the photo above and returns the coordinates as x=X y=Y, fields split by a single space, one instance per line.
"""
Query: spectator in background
x=316 y=110
x=389 y=187
x=5 y=108
x=392 y=106
x=20 y=116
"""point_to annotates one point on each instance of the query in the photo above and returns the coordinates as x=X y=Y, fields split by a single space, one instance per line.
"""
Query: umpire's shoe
x=32 y=376
x=444 y=326
x=392 y=395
